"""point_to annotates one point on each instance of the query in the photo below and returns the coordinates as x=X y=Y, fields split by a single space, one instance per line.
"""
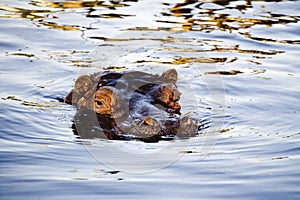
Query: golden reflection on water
x=193 y=14
x=220 y=18
x=248 y=35
x=194 y=17
x=235 y=49
x=52 y=104
x=61 y=27
x=74 y=57
x=190 y=16
x=181 y=61
x=78 y=4
x=13 y=12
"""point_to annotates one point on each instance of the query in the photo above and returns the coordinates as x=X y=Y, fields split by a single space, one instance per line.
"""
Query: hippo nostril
x=99 y=103
x=149 y=121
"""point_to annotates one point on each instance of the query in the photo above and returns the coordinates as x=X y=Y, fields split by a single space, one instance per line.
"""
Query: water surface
x=238 y=67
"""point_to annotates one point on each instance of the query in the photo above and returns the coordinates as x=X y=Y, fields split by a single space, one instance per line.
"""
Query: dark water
x=239 y=70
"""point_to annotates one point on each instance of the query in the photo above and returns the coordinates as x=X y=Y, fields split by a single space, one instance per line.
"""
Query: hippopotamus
x=129 y=105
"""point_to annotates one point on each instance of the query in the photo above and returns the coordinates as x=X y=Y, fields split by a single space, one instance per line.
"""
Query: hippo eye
x=99 y=103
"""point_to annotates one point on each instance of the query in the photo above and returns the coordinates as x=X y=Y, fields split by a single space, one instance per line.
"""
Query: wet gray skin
x=152 y=102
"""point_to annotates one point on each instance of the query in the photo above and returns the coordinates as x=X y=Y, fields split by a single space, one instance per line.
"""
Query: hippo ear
x=170 y=76
x=83 y=83
x=68 y=98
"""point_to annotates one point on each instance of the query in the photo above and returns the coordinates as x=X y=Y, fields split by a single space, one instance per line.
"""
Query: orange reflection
x=197 y=17
x=77 y=4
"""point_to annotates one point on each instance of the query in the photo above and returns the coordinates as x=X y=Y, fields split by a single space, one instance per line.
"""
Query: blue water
x=250 y=149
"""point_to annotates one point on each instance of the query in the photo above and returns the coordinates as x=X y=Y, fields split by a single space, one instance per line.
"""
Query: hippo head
x=136 y=103
x=103 y=99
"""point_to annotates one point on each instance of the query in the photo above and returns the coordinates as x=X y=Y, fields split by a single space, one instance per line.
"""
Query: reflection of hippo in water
x=138 y=104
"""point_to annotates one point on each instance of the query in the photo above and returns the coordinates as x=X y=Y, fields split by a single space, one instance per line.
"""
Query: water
x=238 y=64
